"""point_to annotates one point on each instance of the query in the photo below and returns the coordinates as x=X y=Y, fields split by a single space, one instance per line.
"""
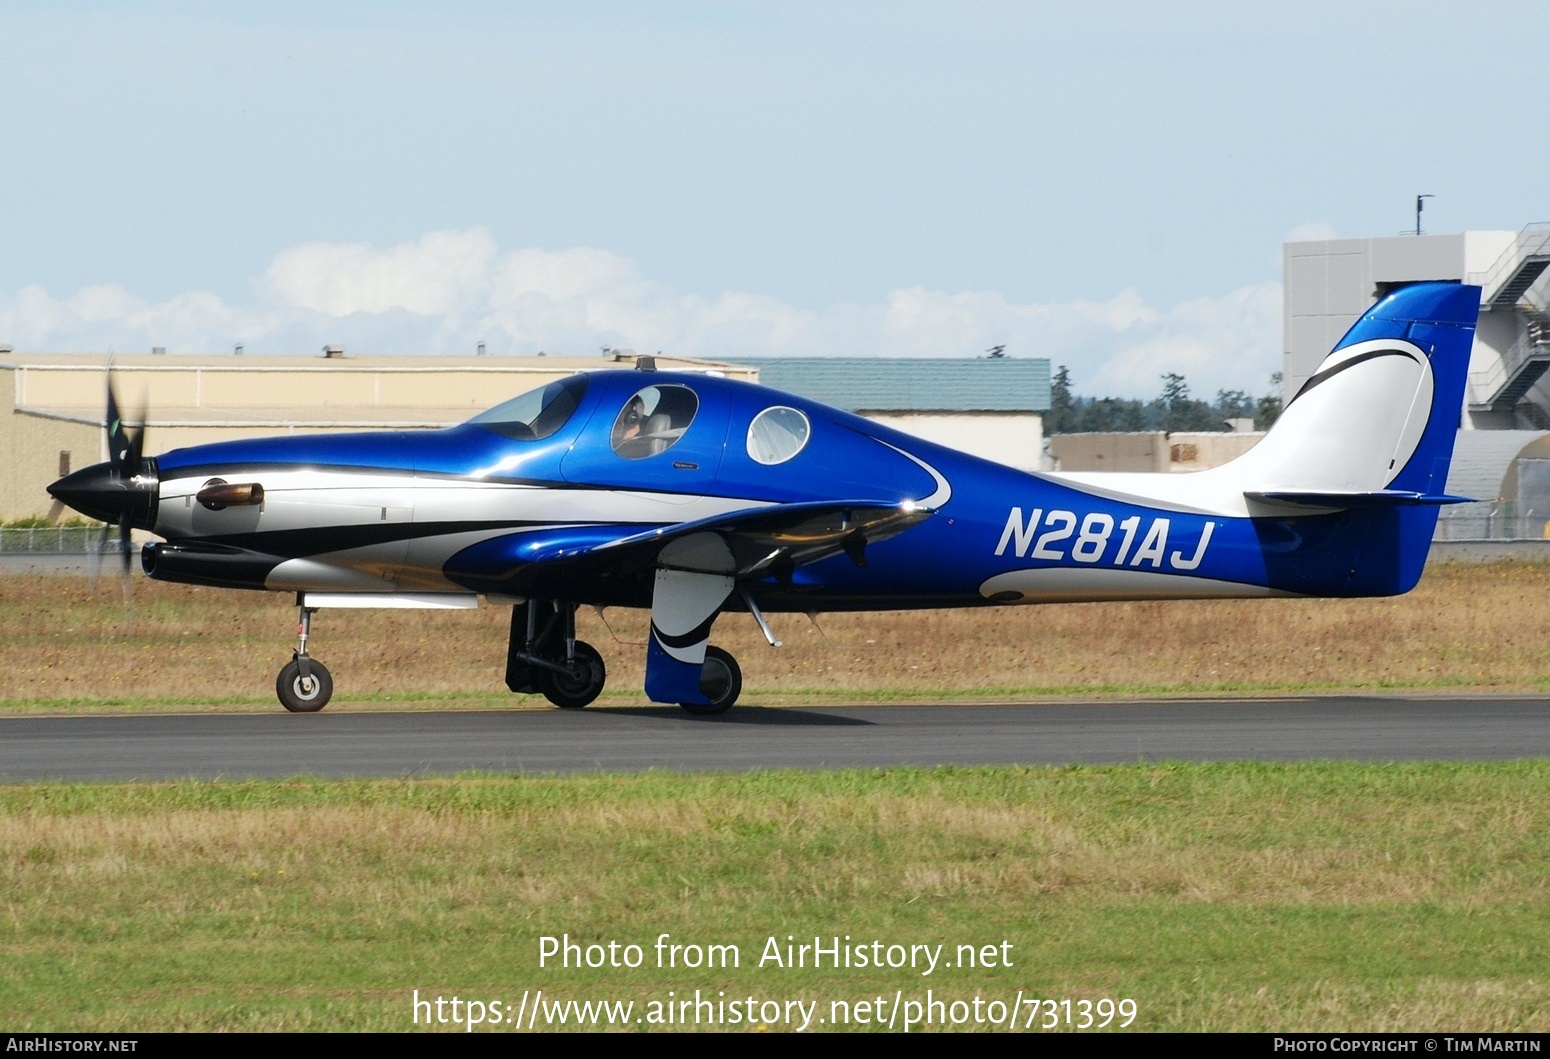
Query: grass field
x=1323 y=896
x=1243 y=897
x=1479 y=626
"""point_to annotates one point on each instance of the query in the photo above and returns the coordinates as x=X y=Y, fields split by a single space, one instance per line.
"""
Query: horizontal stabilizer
x=1356 y=499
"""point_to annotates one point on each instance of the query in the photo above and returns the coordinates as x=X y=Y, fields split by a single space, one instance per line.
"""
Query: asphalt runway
x=343 y=744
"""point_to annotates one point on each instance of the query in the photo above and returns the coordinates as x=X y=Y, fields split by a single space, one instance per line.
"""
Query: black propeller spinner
x=122 y=491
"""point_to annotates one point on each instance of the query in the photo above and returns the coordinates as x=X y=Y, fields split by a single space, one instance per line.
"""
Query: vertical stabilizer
x=1381 y=412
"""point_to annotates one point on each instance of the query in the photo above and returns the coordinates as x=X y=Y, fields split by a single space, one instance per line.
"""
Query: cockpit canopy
x=536 y=414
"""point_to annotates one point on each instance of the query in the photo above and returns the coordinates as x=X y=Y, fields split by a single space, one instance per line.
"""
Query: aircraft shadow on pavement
x=755 y=715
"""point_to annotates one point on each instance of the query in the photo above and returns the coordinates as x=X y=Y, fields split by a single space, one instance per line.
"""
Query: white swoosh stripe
x=944 y=491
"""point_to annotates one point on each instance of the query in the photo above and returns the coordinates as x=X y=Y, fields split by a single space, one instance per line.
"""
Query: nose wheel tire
x=307 y=694
x=721 y=681
x=577 y=687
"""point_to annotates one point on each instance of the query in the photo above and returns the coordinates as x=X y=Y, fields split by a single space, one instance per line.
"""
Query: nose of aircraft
x=102 y=493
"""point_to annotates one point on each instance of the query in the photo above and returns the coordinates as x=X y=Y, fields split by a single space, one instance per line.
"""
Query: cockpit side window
x=653 y=420
x=538 y=413
x=777 y=434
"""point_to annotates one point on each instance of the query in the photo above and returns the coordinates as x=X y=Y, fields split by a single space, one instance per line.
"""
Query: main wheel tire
x=573 y=690
x=721 y=681
x=304 y=695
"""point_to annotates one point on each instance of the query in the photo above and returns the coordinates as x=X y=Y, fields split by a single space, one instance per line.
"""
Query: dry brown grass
x=1248 y=897
x=1467 y=626
x=938 y=849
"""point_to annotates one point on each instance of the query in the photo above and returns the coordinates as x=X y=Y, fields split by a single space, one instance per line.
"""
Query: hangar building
x=990 y=406
x=51 y=405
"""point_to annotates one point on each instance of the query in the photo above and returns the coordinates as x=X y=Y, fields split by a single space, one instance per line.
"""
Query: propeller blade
x=126 y=577
x=126 y=449
x=123 y=544
x=94 y=557
x=118 y=441
x=136 y=447
x=125 y=446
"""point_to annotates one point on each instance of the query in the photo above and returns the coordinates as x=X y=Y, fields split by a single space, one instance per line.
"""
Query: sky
x=1104 y=184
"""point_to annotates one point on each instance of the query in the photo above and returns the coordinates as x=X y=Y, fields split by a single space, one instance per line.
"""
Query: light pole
x=1419 y=204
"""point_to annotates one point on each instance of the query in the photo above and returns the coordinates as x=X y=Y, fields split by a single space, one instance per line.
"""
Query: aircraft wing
x=762 y=539
x=749 y=543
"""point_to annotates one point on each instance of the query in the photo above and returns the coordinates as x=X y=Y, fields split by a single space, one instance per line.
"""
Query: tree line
x=1171 y=410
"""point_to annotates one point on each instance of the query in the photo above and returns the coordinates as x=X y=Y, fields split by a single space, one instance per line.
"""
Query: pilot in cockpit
x=630 y=421
x=653 y=421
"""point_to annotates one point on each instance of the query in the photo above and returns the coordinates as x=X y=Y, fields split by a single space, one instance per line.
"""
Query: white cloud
x=1230 y=342
x=567 y=275
x=747 y=321
x=108 y=318
x=440 y=273
x=449 y=290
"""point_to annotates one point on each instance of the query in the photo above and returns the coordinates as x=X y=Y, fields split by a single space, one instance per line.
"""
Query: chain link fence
x=55 y=540
x=1494 y=520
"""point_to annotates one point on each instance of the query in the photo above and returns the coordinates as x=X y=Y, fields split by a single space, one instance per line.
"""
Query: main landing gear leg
x=543 y=655
x=524 y=632
x=304 y=685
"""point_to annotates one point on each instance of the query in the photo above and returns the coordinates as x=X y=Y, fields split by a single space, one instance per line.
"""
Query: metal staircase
x=1523 y=262
x=1503 y=287
x=1528 y=271
x=1521 y=366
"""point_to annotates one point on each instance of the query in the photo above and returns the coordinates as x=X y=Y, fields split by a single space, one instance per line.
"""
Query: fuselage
x=452 y=511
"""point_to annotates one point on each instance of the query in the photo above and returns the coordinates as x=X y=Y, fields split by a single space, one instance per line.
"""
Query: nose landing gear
x=304 y=685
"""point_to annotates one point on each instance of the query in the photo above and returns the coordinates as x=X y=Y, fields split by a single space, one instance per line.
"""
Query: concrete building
x=992 y=406
x=1150 y=450
x=51 y=406
x=1329 y=283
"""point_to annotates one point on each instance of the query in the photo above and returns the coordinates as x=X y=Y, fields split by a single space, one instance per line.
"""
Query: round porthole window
x=777 y=434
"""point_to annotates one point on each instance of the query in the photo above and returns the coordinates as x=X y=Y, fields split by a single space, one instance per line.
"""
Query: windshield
x=537 y=413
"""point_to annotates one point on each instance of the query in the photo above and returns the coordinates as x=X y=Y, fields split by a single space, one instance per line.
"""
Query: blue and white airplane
x=693 y=495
